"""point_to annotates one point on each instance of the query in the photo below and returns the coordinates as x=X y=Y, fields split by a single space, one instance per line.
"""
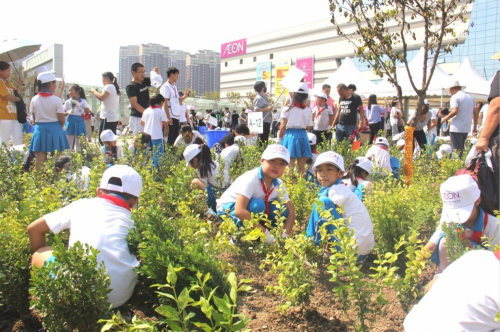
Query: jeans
x=344 y=131
x=158 y=150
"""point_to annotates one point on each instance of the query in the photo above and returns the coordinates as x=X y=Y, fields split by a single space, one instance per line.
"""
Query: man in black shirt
x=346 y=119
x=234 y=120
x=138 y=94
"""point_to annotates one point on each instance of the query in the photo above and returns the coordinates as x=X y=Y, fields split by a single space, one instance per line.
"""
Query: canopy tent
x=475 y=84
x=348 y=73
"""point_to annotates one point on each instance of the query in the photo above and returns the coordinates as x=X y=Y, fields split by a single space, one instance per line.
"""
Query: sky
x=92 y=31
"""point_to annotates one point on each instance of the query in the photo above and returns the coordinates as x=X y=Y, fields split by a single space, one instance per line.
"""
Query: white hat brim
x=459 y=215
x=328 y=162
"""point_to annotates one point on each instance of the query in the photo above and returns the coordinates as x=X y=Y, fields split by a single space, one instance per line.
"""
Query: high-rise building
x=203 y=71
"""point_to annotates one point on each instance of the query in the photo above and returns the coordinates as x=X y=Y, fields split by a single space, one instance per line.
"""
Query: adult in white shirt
x=395 y=115
x=465 y=297
x=461 y=113
x=110 y=98
x=173 y=103
x=103 y=223
x=426 y=118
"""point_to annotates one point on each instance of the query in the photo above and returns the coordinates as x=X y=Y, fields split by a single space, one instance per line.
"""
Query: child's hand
x=269 y=239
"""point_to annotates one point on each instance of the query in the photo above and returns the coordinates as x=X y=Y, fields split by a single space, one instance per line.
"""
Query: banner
x=306 y=64
x=264 y=74
x=281 y=68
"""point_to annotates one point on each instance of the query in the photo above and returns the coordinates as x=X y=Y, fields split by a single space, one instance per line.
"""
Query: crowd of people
x=160 y=124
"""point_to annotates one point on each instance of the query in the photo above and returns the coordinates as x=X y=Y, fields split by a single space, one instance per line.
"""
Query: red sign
x=233 y=48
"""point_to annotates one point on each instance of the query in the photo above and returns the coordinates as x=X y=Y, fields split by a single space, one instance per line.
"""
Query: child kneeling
x=329 y=168
x=254 y=192
x=103 y=223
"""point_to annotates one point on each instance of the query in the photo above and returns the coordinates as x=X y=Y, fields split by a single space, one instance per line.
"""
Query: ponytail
x=113 y=80
x=205 y=162
x=354 y=172
x=79 y=89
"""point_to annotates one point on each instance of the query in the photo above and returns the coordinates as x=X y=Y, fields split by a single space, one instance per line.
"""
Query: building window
x=270 y=56
x=241 y=61
x=225 y=64
x=254 y=59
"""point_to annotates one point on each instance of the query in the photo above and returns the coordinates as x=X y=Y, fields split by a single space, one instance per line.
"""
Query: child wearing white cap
x=461 y=198
x=310 y=174
x=199 y=157
x=445 y=150
x=111 y=151
x=329 y=169
x=103 y=223
x=359 y=176
x=231 y=153
x=296 y=120
x=254 y=192
x=75 y=108
x=48 y=114
x=380 y=157
x=153 y=118
x=323 y=117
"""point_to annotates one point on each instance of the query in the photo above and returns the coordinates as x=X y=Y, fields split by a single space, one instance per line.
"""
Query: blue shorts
x=255 y=206
x=51 y=259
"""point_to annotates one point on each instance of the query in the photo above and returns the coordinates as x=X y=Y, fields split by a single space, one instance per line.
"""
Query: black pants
x=264 y=137
x=458 y=142
x=104 y=125
x=274 y=130
x=173 y=131
x=374 y=128
x=319 y=136
x=419 y=136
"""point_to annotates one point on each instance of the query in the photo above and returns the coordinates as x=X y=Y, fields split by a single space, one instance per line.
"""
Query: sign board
x=213 y=121
x=292 y=79
x=255 y=122
x=281 y=68
x=306 y=64
x=264 y=74
x=233 y=48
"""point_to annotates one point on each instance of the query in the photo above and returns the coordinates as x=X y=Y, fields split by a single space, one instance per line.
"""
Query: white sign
x=255 y=122
x=292 y=79
x=213 y=121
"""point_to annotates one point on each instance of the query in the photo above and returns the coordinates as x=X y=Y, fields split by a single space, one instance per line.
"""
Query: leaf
x=171 y=275
x=174 y=325
x=168 y=312
x=241 y=324
x=188 y=317
x=184 y=299
x=106 y=327
x=203 y=326
x=223 y=305
x=207 y=277
x=245 y=288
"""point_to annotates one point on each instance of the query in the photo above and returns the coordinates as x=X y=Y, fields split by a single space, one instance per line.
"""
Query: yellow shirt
x=8 y=109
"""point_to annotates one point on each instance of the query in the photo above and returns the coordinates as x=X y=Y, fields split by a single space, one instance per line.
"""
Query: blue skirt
x=48 y=137
x=297 y=143
x=75 y=125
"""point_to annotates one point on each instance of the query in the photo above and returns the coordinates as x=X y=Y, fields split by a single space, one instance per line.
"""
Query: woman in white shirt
x=75 y=108
x=425 y=118
x=110 y=98
x=395 y=115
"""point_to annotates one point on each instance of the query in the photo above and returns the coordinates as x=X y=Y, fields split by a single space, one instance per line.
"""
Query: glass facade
x=482 y=42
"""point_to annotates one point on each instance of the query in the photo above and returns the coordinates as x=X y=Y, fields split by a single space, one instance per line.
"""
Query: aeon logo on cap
x=451 y=197
x=280 y=149
x=332 y=155
x=233 y=48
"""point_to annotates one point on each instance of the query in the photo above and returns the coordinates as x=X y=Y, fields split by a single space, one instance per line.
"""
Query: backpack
x=21 y=109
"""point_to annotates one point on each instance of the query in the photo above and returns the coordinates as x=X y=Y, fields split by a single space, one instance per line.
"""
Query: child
x=152 y=120
x=103 y=223
x=380 y=157
x=329 y=168
x=111 y=151
x=359 y=176
x=75 y=108
x=230 y=153
x=445 y=150
x=199 y=157
x=461 y=199
x=323 y=118
x=187 y=136
x=254 y=191
x=141 y=143
x=48 y=114
x=310 y=176
x=297 y=120
x=81 y=178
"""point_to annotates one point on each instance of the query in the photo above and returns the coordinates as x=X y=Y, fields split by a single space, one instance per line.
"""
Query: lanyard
x=320 y=111
x=382 y=147
x=173 y=88
x=116 y=200
x=267 y=194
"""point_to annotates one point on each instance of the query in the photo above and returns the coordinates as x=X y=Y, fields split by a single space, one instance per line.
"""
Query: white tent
x=475 y=84
x=348 y=73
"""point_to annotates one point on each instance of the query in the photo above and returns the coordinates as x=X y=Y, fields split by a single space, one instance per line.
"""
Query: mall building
x=317 y=45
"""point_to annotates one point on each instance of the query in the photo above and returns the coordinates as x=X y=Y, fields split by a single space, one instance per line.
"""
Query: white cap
x=365 y=164
x=330 y=157
x=302 y=88
x=444 y=150
x=399 y=136
x=456 y=85
x=274 y=151
x=108 y=136
x=426 y=102
x=382 y=140
x=46 y=77
x=459 y=193
x=131 y=180
x=190 y=152
x=321 y=95
x=473 y=141
x=312 y=138
x=400 y=142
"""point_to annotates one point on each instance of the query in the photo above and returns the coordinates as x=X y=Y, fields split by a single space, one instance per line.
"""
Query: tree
x=234 y=97
x=251 y=97
x=376 y=43
x=212 y=95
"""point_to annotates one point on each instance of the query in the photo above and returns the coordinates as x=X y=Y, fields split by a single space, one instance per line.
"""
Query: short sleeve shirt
x=8 y=109
x=242 y=119
x=109 y=109
x=261 y=102
x=170 y=92
x=461 y=123
x=322 y=117
x=234 y=118
x=297 y=118
x=140 y=91
x=45 y=109
x=180 y=140
x=349 y=109
x=153 y=118
x=420 y=125
x=76 y=110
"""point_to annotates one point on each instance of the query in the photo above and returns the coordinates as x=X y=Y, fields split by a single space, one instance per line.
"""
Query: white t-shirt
x=394 y=112
x=249 y=185
x=170 y=92
x=322 y=120
x=152 y=118
x=105 y=226
x=420 y=125
x=82 y=178
x=182 y=117
x=45 y=109
x=77 y=110
x=106 y=156
x=434 y=117
x=356 y=211
x=381 y=159
x=461 y=123
x=276 y=116
x=297 y=118
x=466 y=297
x=310 y=167
x=484 y=111
x=229 y=154
x=361 y=182
x=180 y=140
x=214 y=179
x=109 y=110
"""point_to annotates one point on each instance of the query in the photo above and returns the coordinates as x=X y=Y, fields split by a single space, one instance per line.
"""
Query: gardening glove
x=329 y=129
x=278 y=141
x=269 y=239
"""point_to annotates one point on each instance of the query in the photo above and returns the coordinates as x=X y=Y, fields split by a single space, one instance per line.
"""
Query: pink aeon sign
x=233 y=48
